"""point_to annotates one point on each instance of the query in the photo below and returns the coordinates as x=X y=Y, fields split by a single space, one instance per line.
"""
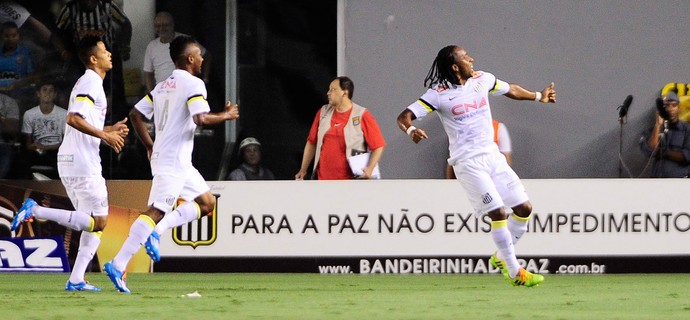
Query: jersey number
x=164 y=117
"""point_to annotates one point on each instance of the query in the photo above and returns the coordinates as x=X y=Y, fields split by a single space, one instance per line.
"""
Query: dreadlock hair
x=441 y=71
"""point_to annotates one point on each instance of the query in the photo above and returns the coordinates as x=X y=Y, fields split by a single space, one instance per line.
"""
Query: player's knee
x=207 y=207
x=523 y=210
x=497 y=214
x=99 y=223
x=206 y=203
x=153 y=213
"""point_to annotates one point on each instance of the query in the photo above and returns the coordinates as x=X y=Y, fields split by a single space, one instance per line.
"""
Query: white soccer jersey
x=172 y=103
x=465 y=114
x=78 y=155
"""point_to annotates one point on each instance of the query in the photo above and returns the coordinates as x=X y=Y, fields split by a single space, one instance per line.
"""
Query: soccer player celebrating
x=79 y=162
x=177 y=106
x=460 y=96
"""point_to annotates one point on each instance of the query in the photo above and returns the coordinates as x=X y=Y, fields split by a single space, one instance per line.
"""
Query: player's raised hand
x=548 y=95
x=232 y=111
x=121 y=128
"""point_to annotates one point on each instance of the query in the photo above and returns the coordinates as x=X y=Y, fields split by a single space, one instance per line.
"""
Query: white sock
x=75 y=220
x=517 y=227
x=88 y=245
x=506 y=251
x=185 y=213
x=140 y=231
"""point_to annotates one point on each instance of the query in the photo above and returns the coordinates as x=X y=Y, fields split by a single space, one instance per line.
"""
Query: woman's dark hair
x=441 y=71
x=347 y=84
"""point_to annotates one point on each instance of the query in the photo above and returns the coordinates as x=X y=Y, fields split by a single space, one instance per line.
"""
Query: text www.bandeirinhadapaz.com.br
x=334 y=269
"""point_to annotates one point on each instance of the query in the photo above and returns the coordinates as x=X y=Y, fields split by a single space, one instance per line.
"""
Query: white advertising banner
x=392 y=218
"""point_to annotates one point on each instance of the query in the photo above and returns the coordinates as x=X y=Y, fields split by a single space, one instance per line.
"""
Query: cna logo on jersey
x=201 y=232
x=33 y=255
x=462 y=108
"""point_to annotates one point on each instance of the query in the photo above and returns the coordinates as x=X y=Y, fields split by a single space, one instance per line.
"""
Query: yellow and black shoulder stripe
x=195 y=98
x=426 y=105
x=85 y=98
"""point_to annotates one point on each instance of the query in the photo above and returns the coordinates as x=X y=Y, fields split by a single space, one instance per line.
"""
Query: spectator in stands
x=9 y=127
x=250 y=168
x=157 y=62
x=16 y=65
x=341 y=129
x=43 y=128
x=668 y=141
x=104 y=19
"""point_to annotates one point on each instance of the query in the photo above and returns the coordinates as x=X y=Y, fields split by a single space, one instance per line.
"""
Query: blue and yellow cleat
x=151 y=246
x=117 y=277
x=84 y=286
x=25 y=213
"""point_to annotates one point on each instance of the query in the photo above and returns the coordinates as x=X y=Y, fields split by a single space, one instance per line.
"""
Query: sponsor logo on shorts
x=486 y=198
x=66 y=158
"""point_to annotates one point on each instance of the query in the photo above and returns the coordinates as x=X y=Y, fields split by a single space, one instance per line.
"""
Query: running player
x=79 y=161
x=460 y=96
x=177 y=106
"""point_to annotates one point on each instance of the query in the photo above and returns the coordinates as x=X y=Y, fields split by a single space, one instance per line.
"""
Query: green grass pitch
x=314 y=296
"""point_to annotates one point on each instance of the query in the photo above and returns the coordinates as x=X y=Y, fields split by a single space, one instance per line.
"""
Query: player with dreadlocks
x=459 y=95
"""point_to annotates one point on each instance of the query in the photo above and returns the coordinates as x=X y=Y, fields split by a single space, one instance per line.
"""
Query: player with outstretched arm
x=178 y=105
x=460 y=97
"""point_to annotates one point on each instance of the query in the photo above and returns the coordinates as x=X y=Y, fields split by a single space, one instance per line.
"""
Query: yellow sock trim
x=92 y=224
x=521 y=219
x=198 y=210
x=148 y=220
x=98 y=234
x=499 y=224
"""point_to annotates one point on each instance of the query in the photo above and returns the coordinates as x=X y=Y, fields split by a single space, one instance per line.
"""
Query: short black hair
x=9 y=24
x=47 y=81
x=347 y=84
x=87 y=47
x=178 y=47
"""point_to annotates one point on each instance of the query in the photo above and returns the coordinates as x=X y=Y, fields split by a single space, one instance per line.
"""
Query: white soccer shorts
x=165 y=189
x=88 y=194
x=490 y=183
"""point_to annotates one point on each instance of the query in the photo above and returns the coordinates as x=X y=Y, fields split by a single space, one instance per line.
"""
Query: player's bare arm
x=111 y=138
x=548 y=95
x=139 y=125
x=231 y=112
x=405 y=119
